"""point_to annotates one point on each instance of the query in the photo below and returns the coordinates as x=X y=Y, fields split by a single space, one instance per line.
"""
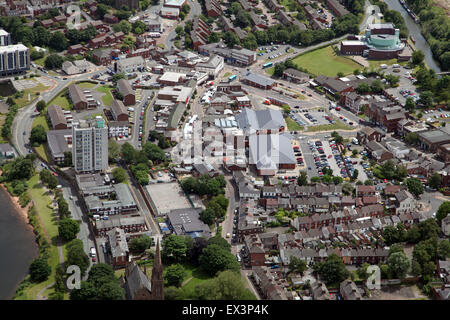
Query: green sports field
x=326 y=62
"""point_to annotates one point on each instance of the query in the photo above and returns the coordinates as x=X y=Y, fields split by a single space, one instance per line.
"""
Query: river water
x=414 y=30
x=17 y=247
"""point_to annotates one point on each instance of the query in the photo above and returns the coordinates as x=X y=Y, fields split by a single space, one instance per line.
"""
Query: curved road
x=25 y=116
x=196 y=10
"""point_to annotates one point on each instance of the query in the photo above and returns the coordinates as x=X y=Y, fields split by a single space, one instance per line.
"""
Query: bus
x=231 y=78
x=267 y=65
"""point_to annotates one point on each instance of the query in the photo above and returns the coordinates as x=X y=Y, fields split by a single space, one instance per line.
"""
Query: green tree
x=174 y=248
x=426 y=98
x=333 y=270
x=68 y=229
x=39 y=270
x=410 y=105
x=215 y=258
x=128 y=153
x=413 y=234
x=58 y=41
x=38 y=135
x=196 y=250
x=86 y=292
x=399 y=264
x=412 y=138
x=140 y=244
x=347 y=188
x=435 y=180
x=221 y=242
x=53 y=61
x=414 y=186
x=113 y=150
x=227 y=285
x=174 y=275
x=302 y=179
x=297 y=265
x=443 y=211
x=208 y=216
x=417 y=57
x=443 y=249
x=416 y=269
x=120 y=175
x=40 y=106
x=111 y=291
x=355 y=174
x=76 y=255
x=116 y=77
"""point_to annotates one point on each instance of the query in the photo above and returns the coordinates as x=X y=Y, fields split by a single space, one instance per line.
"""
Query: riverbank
x=18 y=244
x=22 y=211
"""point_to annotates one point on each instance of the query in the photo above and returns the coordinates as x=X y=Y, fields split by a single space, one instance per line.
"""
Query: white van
x=355 y=141
x=228 y=235
x=131 y=109
x=395 y=66
x=238 y=257
x=383 y=66
x=93 y=252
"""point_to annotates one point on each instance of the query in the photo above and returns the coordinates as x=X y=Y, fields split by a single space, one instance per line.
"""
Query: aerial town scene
x=224 y=150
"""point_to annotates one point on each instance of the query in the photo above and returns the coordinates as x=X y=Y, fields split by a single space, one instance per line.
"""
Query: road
x=74 y=206
x=233 y=196
x=143 y=206
x=196 y=10
x=414 y=30
x=24 y=118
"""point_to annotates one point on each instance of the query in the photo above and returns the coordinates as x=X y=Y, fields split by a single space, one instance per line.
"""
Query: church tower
x=157 y=276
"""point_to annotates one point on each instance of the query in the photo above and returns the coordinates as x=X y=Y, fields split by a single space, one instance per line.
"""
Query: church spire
x=157 y=276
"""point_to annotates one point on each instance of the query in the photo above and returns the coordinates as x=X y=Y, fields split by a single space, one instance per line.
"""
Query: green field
x=292 y=125
x=287 y=4
x=87 y=85
x=23 y=101
x=270 y=70
x=375 y=64
x=196 y=277
x=42 y=149
x=107 y=98
x=61 y=100
x=326 y=127
x=326 y=62
x=48 y=221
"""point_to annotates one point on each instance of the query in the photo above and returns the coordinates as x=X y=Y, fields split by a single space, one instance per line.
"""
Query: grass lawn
x=42 y=202
x=107 y=98
x=325 y=61
x=270 y=70
x=86 y=85
x=198 y=277
x=42 y=150
x=40 y=120
x=30 y=292
x=40 y=61
x=48 y=221
x=2 y=121
x=92 y=116
x=376 y=63
x=287 y=4
x=226 y=75
x=23 y=101
x=292 y=125
x=61 y=100
x=325 y=127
